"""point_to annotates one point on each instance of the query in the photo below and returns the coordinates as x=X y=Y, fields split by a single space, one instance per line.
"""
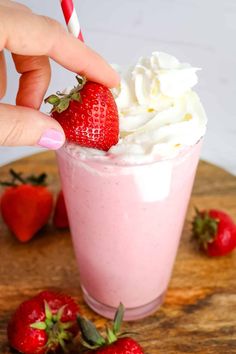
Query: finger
x=34 y=80
x=15 y=5
x=3 y=75
x=29 y=34
x=26 y=126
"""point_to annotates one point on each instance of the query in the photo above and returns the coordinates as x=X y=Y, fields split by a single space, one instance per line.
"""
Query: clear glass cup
x=126 y=222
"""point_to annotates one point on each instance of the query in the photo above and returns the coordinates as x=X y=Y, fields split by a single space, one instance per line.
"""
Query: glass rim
x=116 y=162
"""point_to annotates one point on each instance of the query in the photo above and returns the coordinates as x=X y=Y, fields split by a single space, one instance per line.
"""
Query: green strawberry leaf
x=60 y=313
x=118 y=318
x=37 y=180
x=39 y=325
x=48 y=311
x=63 y=105
x=76 y=97
x=111 y=337
x=81 y=81
x=53 y=99
x=89 y=332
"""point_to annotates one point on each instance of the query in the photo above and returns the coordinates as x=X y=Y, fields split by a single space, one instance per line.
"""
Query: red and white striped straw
x=71 y=18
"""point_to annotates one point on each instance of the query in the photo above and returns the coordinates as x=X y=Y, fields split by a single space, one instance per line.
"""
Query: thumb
x=26 y=126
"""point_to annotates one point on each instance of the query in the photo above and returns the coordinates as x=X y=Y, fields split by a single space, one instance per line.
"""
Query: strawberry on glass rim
x=88 y=114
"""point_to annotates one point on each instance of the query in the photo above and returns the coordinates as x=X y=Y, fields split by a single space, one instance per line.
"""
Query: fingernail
x=52 y=139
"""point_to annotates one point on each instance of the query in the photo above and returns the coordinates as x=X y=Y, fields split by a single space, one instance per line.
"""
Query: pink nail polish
x=52 y=139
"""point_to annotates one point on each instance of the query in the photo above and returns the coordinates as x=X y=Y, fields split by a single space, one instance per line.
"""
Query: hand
x=32 y=40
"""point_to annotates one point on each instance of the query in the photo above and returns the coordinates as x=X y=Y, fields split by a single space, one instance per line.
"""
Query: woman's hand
x=32 y=40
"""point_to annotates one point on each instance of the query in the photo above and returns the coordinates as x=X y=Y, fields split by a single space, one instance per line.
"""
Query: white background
x=202 y=32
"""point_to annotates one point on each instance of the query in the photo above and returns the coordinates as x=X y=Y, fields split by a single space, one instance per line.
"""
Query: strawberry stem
x=61 y=101
x=204 y=228
x=57 y=331
x=17 y=179
x=90 y=336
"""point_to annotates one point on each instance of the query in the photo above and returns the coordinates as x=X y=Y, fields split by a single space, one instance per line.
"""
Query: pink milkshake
x=127 y=207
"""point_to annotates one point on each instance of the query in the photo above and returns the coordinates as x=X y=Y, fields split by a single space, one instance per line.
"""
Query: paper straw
x=71 y=18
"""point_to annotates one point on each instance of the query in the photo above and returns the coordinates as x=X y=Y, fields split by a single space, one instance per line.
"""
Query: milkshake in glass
x=127 y=206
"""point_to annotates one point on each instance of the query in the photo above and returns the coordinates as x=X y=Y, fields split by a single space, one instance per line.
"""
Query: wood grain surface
x=199 y=313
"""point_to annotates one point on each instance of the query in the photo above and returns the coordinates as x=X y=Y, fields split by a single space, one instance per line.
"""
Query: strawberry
x=88 y=115
x=26 y=205
x=114 y=343
x=122 y=346
x=215 y=231
x=60 y=217
x=43 y=323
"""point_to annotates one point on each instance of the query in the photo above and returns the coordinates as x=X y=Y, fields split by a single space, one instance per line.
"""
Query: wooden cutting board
x=199 y=313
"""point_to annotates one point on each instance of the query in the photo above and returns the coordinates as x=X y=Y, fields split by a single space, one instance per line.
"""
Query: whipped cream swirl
x=159 y=113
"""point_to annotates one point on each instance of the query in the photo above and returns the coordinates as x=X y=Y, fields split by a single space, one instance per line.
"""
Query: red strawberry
x=26 y=207
x=43 y=323
x=60 y=217
x=215 y=231
x=88 y=115
x=114 y=343
x=122 y=346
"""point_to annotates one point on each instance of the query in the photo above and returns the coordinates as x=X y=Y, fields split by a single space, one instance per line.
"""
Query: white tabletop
x=201 y=32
